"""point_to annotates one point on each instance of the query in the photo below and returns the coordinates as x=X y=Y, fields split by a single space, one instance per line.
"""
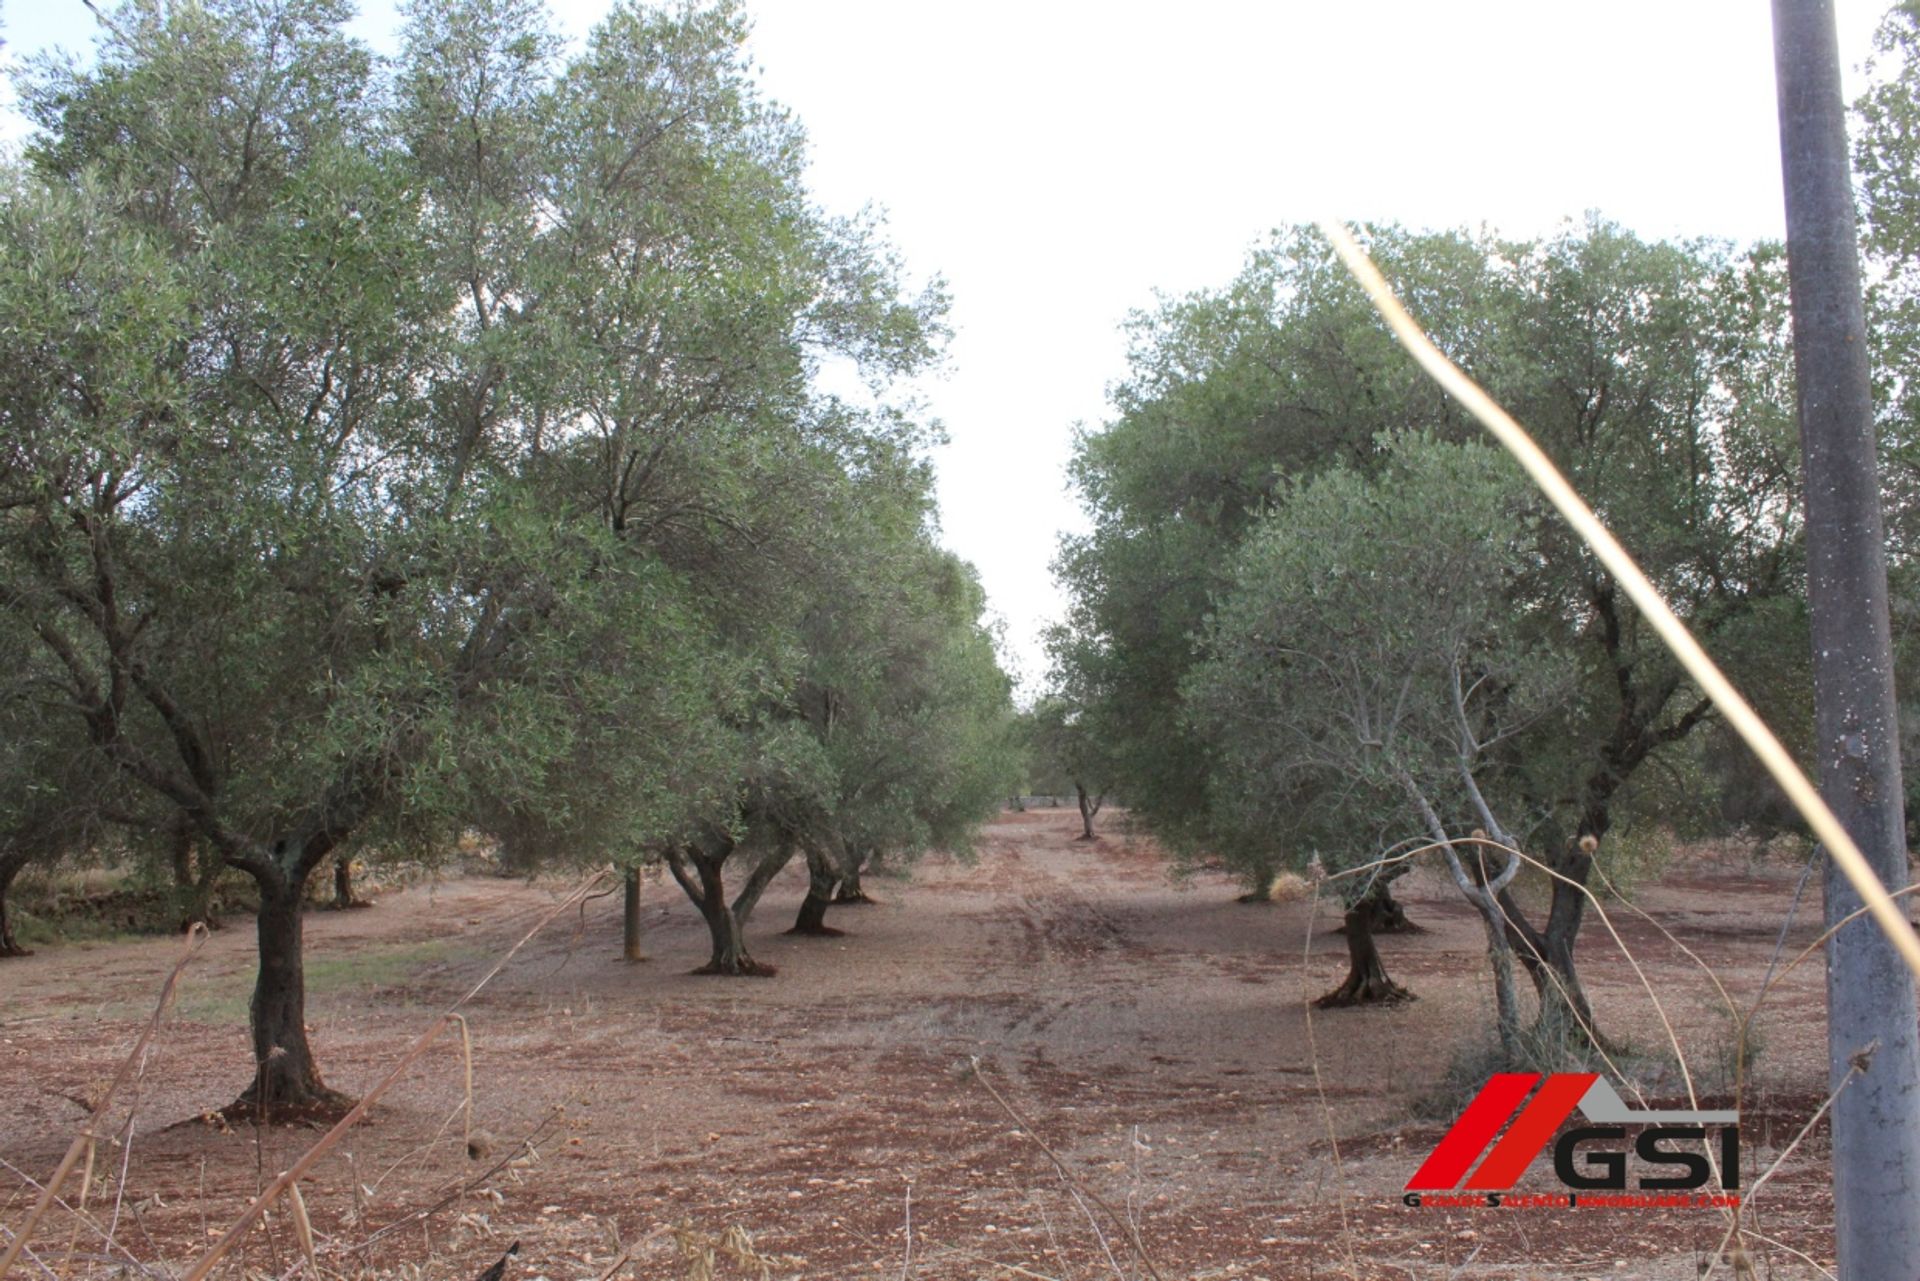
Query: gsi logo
x=1500 y=1100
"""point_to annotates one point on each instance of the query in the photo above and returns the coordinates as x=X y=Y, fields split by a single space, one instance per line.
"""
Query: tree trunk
x=1389 y=917
x=1506 y=1000
x=1873 y=1041
x=181 y=856
x=762 y=875
x=822 y=878
x=699 y=873
x=1089 y=806
x=1385 y=914
x=343 y=885
x=729 y=945
x=10 y=865
x=1367 y=982
x=1483 y=892
x=850 y=892
x=1261 y=873
x=286 y=1084
x=630 y=918
x=1548 y=957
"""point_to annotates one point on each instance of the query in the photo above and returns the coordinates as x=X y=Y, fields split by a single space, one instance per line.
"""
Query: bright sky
x=1058 y=163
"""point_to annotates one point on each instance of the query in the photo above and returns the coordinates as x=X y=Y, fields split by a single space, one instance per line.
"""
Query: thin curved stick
x=1320 y=1091
x=1853 y=1070
x=1712 y=681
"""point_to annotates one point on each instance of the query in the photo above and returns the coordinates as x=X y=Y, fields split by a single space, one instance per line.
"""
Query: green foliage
x=1364 y=655
x=1656 y=375
x=1886 y=160
x=390 y=451
x=1062 y=751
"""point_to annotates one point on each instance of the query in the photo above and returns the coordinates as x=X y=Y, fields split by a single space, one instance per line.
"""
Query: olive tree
x=1367 y=674
x=378 y=451
x=1064 y=746
x=1657 y=376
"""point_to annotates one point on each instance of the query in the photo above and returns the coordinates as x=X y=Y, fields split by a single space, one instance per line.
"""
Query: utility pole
x=1873 y=1041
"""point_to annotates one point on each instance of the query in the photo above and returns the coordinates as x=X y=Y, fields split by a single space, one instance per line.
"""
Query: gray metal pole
x=1872 y=1038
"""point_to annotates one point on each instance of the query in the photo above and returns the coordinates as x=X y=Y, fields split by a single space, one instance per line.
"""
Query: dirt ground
x=1150 y=1031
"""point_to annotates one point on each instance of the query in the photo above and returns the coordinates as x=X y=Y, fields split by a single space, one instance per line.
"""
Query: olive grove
x=1655 y=373
x=391 y=451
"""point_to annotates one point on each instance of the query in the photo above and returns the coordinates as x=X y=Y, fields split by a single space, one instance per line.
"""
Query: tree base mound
x=1372 y=992
x=14 y=950
x=743 y=970
x=818 y=932
x=856 y=899
x=321 y=1106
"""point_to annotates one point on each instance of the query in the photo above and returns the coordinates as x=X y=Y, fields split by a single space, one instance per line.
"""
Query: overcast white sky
x=1058 y=163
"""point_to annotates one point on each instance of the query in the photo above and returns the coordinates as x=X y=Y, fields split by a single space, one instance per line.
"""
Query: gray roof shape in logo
x=1603 y=1105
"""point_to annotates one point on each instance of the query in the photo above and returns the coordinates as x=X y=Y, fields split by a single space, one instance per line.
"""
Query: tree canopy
x=1656 y=375
x=397 y=450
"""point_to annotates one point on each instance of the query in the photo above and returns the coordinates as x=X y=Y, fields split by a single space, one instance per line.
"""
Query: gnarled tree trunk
x=822 y=878
x=1367 y=982
x=343 y=885
x=855 y=860
x=1089 y=806
x=700 y=873
x=1483 y=890
x=1260 y=875
x=193 y=886
x=1385 y=915
x=1548 y=955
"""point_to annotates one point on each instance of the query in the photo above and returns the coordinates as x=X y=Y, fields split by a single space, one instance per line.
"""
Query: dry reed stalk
x=307 y=1159
x=83 y=1143
x=1026 y=1128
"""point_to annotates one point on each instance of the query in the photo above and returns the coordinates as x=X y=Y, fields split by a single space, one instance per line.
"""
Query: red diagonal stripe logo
x=1473 y=1131
x=1531 y=1130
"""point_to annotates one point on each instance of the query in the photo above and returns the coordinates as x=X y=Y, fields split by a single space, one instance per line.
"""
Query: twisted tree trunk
x=822 y=878
x=193 y=886
x=1089 y=806
x=343 y=897
x=1367 y=982
x=1385 y=913
x=1548 y=955
x=700 y=872
x=850 y=893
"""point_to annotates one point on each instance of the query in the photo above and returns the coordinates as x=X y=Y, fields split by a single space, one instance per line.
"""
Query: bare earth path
x=1154 y=1033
